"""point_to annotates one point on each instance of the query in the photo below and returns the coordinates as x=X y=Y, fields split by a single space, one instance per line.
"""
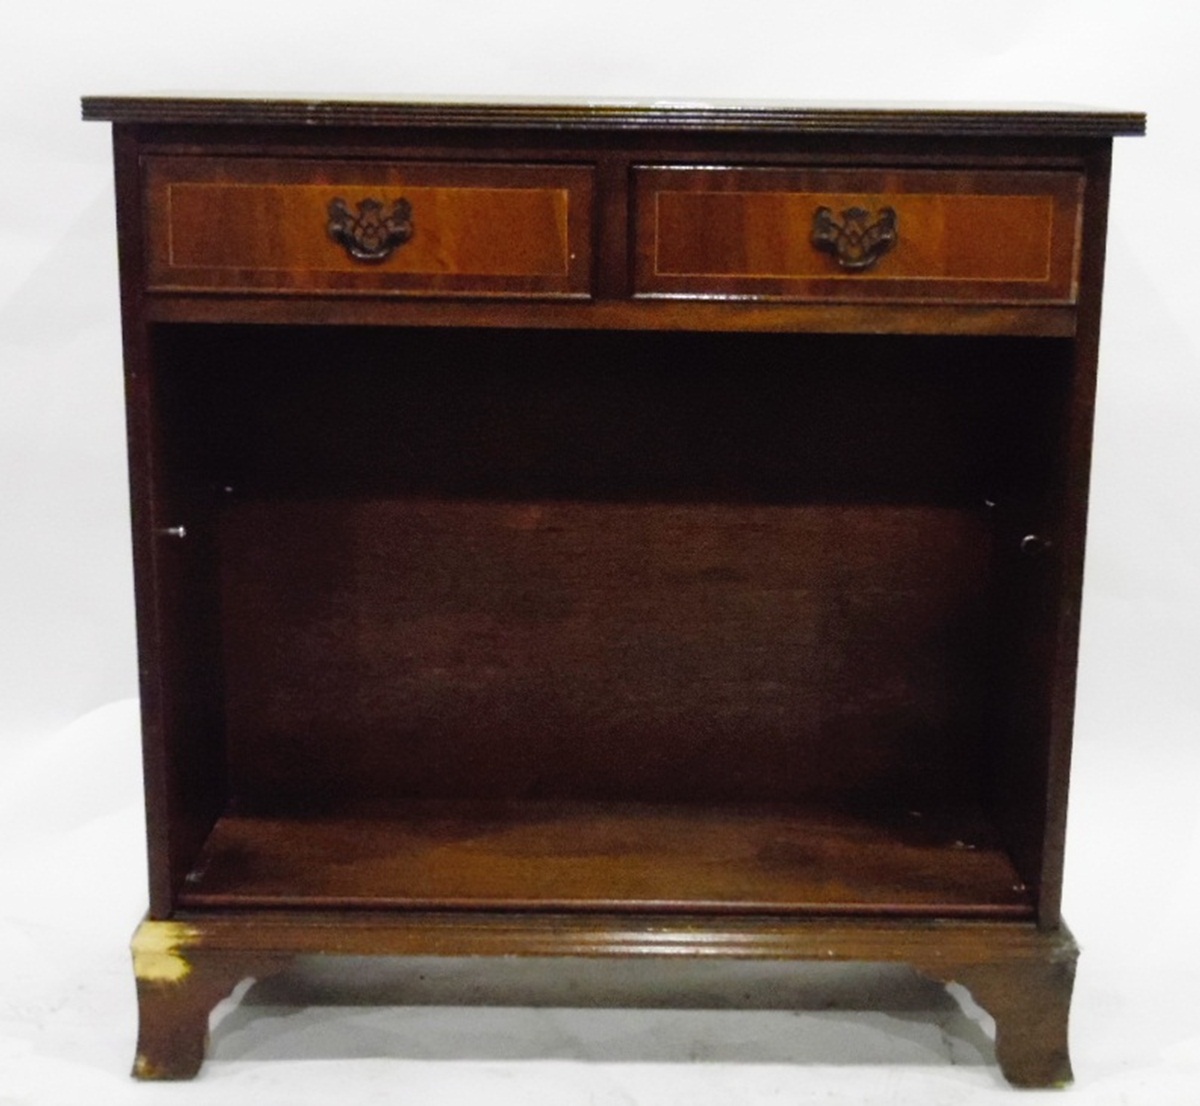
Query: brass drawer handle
x=856 y=242
x=374 y=233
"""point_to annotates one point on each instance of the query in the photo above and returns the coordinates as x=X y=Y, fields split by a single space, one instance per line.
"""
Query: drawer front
x=872 y=235
x=344 y=227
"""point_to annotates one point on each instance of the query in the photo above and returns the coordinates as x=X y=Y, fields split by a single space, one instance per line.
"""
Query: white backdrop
x=68 y=770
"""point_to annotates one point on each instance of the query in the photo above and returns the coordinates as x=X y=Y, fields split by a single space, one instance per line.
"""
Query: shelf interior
x=613 y=857
x=535 y=620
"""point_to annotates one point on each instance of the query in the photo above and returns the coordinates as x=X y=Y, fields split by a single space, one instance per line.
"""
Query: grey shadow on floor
x=600 y=1011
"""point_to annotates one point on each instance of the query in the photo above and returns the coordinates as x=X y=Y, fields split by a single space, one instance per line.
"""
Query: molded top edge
x=745 y=116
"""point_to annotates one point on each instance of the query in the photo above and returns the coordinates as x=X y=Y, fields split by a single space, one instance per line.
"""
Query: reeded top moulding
x=738 y=116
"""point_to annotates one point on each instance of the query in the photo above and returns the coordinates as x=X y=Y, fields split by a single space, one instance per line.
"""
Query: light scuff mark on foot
x=143 y=1068
x=158 y=955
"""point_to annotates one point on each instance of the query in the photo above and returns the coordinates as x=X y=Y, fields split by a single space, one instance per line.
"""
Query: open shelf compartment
x=614 y=621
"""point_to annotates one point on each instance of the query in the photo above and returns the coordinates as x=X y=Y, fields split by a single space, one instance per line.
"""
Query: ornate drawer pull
x=373 y=233
x=856 y=242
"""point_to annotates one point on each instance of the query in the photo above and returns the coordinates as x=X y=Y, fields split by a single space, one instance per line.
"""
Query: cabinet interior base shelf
x=495 y=855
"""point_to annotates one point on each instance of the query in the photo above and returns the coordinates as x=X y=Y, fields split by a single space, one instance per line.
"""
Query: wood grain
x=963 y=236
x=387 y=648
x=256 y=224
x=614 y=857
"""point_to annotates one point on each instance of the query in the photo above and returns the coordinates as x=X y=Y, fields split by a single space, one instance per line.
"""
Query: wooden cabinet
x=608 y=531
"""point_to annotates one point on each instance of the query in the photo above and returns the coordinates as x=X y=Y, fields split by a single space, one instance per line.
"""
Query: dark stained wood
x=1074 y=470
x=566 y=554
x=937 y=947
x=1038 y=625
x=745 y=117
x=1030 y=1000
x=689 y=315
x=1021 y=975
x=257 y=224
x=178 y=648
x=622 y=857
x=597 y=575
x=684 y=652
x=963 y=236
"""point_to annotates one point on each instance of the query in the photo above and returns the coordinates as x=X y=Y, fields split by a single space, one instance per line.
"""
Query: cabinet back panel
x=394 y=648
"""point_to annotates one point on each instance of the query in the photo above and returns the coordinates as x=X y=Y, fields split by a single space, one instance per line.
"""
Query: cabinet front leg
x=1030 y=1002
x=178 y=984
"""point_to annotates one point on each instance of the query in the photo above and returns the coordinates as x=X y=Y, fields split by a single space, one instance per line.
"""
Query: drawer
x=853 y=234
x=346 y=227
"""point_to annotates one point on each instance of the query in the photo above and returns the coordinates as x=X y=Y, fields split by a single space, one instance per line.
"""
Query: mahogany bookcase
x=608 y=530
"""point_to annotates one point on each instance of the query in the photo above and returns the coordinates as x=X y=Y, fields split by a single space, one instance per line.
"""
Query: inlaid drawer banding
x=345 y=227
x=789 y=234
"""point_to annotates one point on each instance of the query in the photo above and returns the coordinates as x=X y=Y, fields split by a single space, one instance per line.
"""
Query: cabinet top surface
x=604 y=114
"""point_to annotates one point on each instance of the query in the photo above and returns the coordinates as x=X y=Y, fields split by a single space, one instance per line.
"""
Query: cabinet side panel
x=1074 y=531
x=1040 y=585
x=173 y=583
